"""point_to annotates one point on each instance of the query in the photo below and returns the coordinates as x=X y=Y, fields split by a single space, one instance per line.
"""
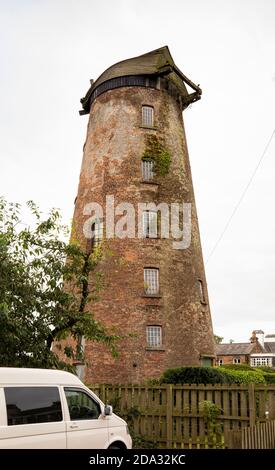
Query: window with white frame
x=236 y=360
x=151 y=281
x=147 y=116
x=154 y=336
x=261 y=361
x=147 y=170
x=220 y=362
x=150 y=224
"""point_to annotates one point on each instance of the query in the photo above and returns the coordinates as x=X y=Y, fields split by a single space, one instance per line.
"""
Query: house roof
x=234 y=348
x=158 y=62
x=269 y=347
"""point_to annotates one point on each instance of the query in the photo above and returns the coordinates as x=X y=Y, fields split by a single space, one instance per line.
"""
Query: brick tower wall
x=112 y=166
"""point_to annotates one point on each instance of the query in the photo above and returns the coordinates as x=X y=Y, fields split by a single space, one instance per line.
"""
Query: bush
x=237 y=367
x=195 y=375
x=244 y=376
x=269 y=378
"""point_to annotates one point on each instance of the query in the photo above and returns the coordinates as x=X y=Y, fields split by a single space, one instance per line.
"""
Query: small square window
x=154 y=336
x=151 y=281
x=147 y=116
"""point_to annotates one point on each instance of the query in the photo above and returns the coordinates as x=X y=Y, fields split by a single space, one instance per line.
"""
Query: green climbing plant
x=156 y=151
x=210 y=412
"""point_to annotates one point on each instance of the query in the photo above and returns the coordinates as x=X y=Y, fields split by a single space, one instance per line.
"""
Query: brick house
x=260 y=351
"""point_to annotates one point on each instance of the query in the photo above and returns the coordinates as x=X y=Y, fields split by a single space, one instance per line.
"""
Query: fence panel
x=170 y=416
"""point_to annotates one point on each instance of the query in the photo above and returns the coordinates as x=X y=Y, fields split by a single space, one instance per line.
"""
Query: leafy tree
x=46 y=285
x=218 y=339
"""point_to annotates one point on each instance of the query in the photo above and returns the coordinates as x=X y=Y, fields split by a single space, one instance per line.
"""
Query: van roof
x=17 y=375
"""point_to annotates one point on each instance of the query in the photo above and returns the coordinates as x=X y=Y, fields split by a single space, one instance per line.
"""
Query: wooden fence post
x=252 y=407
x=169 y=416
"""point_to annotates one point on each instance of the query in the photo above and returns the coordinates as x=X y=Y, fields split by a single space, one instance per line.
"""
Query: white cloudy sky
x=49 y=51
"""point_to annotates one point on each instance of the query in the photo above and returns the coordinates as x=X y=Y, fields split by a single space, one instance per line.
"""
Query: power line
x=241 y=197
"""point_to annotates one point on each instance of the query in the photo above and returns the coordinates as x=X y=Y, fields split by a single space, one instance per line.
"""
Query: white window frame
x=147 y=116
x=154 y=336
x=151 y=281
x=261 y=361
x=236 y=360
x=147 y=170
x=220 y=362
x=150 y=224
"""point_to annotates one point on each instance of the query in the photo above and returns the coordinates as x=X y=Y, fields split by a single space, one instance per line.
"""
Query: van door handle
x=73 y=426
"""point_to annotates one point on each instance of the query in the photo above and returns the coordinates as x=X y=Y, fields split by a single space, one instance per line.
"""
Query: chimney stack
x=258 y=334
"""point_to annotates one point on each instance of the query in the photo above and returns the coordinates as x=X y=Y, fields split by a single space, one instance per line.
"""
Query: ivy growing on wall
x=155 y=151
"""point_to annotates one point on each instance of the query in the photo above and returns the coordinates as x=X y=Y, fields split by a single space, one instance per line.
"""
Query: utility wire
x=241 y=197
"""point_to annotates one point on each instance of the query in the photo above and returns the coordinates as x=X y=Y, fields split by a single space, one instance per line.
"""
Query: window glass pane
x=147 y=167
x=150 y=224
x=147 y=116
x=151 y=281
x=81 y=405
x=97 y=233
x=154 y=336
x=27 y=405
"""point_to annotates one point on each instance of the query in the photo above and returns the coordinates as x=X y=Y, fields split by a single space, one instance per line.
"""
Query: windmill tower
x=136 y=153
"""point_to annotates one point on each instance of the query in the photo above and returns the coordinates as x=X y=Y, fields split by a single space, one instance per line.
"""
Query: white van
x=52 y=409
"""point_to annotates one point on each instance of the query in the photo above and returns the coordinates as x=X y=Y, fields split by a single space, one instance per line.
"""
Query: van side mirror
x=108 y=410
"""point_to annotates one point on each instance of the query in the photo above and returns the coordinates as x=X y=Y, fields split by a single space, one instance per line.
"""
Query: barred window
x=151 y=281
x=150 y=224
x=147 y=116
x=147 y=170
x=154 y=336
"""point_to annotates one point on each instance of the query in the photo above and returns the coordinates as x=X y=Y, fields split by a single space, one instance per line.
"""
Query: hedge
x=195 y=375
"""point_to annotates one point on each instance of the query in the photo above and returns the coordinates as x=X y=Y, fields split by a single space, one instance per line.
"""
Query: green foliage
x=194 y=375
x=155 y=151
x=267 y=369
x=269 y=378
x=237 y=367
x=218 y=339
x=44 y=290
x=130 y=415
x=210 y=413
x=244 y=376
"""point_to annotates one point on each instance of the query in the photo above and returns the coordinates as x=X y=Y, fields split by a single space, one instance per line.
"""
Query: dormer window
x=147 y=116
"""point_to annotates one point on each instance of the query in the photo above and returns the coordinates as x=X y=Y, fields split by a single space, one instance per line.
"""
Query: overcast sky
x=50 y=49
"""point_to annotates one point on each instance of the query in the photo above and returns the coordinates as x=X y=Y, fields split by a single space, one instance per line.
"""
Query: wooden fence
x=261 y=436
x=171 y=417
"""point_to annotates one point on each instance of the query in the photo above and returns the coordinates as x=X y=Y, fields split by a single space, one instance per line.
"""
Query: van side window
x=81 y=405
x=26 y=405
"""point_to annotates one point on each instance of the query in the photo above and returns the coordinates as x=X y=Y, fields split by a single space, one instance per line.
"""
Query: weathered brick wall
x=112 y=166
x=229 y=359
